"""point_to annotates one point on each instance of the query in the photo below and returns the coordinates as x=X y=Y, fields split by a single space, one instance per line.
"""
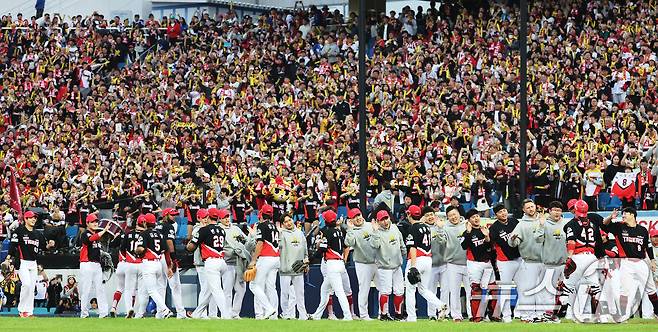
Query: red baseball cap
x=29 y=214
x=581 y=208
x=571 y=203
x=141 y=219
x=414 y=211
x=353 y=213
x=169 y=212
x=223 y=213
x=213 y=213
x=381 y=215
x=329 y=216
x=267 y=209
x=150 y=218
x=653 y=232
x=91 y=218
x=202 y=213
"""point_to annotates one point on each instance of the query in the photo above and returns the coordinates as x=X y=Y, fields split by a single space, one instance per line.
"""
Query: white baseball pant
x=289 y=299
x=232 y=282
x=365 y=274
x=149 y=287
x=390 y=281
x=528 y=304
x=213 y=269
x=333 y=281
x=552 y=276
x=458 y=276
x=175 y=286
x=203 y=288
x=439 y=276
x=344 y=277
x=264 y=285
x=91 y=275
x=28 y=275
x=127 y=276
x=508 y=273
x=424 y=266
x=637 y=278
x=585 y=275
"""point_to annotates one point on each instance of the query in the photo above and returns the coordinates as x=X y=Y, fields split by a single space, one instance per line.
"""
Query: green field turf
x=152 y=325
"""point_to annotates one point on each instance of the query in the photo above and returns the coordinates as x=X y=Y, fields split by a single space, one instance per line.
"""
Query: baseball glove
x=569 y=267
x=413 y=276
x=299 y=266
x=250 y=274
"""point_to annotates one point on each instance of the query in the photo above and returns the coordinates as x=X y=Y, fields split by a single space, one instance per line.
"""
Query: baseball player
x=551 y=236
x=169 y=261
x=439 y=275
x=633 y=245
x=234 y=250
x=210 y=239
x=202 y=220
x=127 y=271
x=358 y=234
x=531 y=269
x=150 y=247
x=332 y=248
x=293 y=248
x=583 y=244
x=389 y=250
x=266 y=261
x=508 y=258
x=647 y=307
x=477 y=244
x=24 y=246
x=451 y=236
x=91 y=273
x=419 y=242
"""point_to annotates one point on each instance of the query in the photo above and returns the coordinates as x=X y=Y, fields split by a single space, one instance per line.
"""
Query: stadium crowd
x=140 y=115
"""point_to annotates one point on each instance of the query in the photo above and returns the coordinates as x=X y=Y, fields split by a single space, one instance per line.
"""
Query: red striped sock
x=397 y=303
x=116 y=299
x=383 y=304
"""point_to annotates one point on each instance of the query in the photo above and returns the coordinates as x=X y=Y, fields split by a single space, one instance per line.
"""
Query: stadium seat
x=614 y=203
x=604 y=200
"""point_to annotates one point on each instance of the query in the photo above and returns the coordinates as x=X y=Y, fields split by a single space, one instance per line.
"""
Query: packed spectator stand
x=133 y=116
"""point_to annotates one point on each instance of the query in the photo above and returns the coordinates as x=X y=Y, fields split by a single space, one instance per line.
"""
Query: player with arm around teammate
x=169 y=260
x=389 y=251
x=210 y=239
x=419 y=266
x=637 y=261
x=128 y=269
x=150 y=247
x=234 y=250
x=332 y=246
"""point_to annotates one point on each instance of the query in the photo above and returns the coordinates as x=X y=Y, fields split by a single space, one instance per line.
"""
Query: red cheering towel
x=623 y=185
